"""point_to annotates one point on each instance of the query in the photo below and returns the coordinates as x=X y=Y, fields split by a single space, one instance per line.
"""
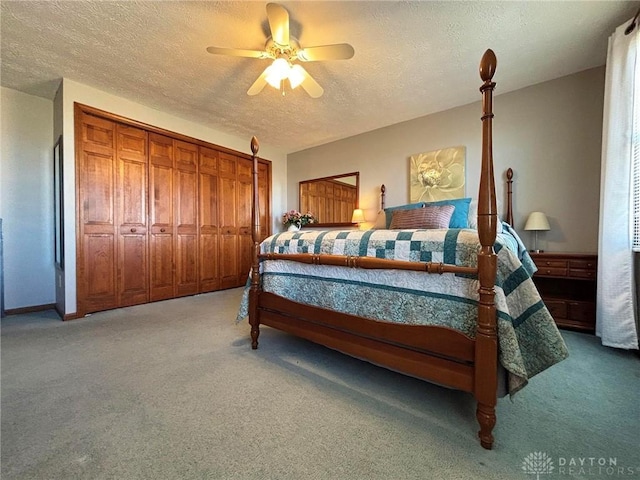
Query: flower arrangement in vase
x=294 y=220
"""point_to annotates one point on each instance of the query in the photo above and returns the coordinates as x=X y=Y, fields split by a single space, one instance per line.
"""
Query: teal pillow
x=459 y=219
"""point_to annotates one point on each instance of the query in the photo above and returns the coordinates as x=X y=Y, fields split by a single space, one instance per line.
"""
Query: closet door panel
x=161 y=217
x=186 y=156
x=100 y=272
x=161 y=258
x=229 y=267
x=96 y=180
x=228 y=214
x=186 y=265
x=208 y=219
x=98 y=189
x=186 y=201
x=133 y=273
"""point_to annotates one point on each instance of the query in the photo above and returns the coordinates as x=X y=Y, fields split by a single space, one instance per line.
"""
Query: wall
x=26 y=198
x=29 y=127
x=549 y=133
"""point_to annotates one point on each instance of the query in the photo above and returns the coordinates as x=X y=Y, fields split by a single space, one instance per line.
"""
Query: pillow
x=427 y=217
x=381 y=221
x=473 y=215
x=459 y=219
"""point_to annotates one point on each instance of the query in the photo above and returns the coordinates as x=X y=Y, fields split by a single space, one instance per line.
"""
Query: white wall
x=26 y=198
x=77 y=92
x=549 y=133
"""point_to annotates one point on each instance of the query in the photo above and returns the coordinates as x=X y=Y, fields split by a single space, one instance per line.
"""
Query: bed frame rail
x=442 y=355
x=369 y=263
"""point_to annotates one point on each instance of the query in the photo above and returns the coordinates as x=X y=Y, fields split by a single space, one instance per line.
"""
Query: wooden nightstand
x=567 y=285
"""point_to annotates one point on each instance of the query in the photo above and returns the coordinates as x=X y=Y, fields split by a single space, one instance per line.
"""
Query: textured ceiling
x=412 y=58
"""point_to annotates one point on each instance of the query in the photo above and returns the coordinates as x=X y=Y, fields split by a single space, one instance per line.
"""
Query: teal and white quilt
x=529 y=341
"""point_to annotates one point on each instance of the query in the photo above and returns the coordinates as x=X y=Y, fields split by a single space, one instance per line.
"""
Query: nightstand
x=567 y=285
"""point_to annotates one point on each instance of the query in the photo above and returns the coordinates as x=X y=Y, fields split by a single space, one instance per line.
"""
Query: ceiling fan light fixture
x=284 y=50
x=278 y=71
x=296 y=76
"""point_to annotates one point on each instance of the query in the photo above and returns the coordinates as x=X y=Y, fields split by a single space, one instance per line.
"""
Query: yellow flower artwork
x=437 y=175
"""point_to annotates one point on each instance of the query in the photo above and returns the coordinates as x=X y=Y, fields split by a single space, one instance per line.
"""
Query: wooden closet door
x=245 y=237
x=228 y=214
x=208 y=219
x=96 y=181
x=131 y=215
x=186 y=216
x=161 y=223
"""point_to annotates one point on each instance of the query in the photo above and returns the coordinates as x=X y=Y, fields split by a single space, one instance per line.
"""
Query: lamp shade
x=358 y=216
x=537 y=221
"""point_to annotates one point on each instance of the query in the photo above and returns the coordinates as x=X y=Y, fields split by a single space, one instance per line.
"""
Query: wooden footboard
x=438 y=354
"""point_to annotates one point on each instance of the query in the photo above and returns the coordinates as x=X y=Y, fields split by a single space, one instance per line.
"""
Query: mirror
x=331 y=199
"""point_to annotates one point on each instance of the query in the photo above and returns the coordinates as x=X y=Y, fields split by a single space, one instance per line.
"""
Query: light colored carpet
x=172 y=390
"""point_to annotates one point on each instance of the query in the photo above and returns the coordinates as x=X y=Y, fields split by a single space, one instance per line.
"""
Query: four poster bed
x=371 y=294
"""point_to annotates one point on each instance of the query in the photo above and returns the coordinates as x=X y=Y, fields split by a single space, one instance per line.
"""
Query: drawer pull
x=133 y=230
x=162 y=230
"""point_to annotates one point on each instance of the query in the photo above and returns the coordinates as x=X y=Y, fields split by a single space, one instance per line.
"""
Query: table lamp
x=358 y=217
x=537 y=222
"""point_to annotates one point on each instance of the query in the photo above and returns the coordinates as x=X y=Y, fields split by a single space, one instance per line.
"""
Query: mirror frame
x=333 y=177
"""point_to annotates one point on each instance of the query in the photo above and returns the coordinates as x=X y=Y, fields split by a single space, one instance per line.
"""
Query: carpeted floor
x=172 y=390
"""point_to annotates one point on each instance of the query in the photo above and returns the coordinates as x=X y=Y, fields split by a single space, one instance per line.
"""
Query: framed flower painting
x=437 y=175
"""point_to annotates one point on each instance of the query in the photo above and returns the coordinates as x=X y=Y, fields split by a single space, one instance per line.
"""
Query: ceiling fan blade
x=236 y=52
x=339 y=51
x=259 y=84
x=312 y=87
x=278 y=23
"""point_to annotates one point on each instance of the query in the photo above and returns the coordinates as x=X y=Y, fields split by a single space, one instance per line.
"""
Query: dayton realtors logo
x=537 y=463
x=540 y=463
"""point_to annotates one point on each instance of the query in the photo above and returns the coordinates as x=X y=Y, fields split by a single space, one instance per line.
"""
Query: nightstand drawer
x=582 y=264
x=557 y=308
x=551 y=271
x=582 y=273
x=551 y=263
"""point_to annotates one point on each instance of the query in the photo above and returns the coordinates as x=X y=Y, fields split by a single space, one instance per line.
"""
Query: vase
x=293 y=228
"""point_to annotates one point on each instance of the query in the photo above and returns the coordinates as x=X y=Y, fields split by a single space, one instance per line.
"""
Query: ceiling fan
x=285 y=50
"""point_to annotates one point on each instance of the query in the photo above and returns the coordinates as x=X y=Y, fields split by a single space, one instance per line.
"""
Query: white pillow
x=473 y=215
x=381 y=221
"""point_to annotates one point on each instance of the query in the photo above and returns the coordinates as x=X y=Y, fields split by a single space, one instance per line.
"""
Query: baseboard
x=34 y=308
x=70 y=316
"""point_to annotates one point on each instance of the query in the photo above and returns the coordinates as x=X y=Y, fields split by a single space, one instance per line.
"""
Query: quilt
x=529 y=341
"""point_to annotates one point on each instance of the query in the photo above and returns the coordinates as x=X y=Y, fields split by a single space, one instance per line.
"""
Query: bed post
x=486 y=354
x=509 y=216
x=254 y=290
